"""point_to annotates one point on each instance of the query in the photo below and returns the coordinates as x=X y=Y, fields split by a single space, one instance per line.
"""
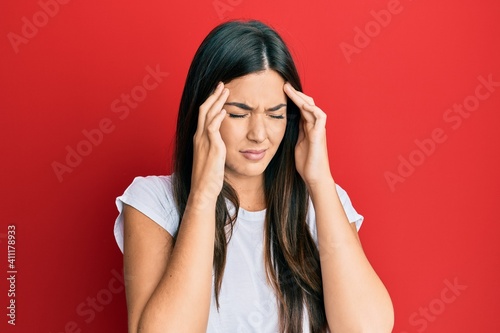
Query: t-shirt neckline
x=244 y=214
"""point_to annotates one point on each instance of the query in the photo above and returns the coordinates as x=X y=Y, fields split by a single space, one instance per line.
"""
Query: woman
x=250 y=233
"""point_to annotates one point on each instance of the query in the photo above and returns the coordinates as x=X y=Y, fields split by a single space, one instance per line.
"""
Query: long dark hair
x=234 y=49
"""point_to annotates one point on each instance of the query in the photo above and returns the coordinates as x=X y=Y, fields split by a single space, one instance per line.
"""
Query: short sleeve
x=153 y=197
x=351 y=213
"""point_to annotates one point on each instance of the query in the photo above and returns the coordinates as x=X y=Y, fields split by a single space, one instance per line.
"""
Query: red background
x=438 y=225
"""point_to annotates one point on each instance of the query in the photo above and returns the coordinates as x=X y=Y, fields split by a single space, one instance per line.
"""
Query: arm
x=163 y=281
x=355 y=298
x=168 y=283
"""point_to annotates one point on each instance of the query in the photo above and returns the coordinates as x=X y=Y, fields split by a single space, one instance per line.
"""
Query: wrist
x=321 y=185
x=201 y=202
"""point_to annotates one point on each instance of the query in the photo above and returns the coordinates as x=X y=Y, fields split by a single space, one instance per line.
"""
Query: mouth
x=254 y=154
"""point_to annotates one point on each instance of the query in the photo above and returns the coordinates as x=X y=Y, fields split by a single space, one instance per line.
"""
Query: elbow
x=381 y=320
x=384 y=326
x=382 y=323
x=170 y=326
x=388 y=321
x=379 y=326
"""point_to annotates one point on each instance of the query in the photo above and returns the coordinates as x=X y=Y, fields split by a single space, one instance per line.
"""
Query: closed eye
x=277 y=117
x=233 y=115
x=245 y=107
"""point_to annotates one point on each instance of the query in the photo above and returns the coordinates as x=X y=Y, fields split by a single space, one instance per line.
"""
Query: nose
x=257 y=128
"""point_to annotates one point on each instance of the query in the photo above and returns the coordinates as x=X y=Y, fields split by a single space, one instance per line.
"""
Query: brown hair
x=234 y=49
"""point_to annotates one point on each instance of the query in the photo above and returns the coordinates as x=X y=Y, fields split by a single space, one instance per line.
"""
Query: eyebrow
x=248 y=108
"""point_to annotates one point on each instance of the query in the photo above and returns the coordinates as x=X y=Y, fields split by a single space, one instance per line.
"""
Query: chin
x=250 y=173
x=247 y=172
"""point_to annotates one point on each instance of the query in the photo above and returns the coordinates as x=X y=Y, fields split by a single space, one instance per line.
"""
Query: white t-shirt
x=247 y=302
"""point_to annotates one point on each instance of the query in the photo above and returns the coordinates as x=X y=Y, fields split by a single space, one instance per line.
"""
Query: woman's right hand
x=209 y=150
x=173 y=277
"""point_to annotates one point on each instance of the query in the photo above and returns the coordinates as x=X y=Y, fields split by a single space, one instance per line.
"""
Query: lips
x=254 y=154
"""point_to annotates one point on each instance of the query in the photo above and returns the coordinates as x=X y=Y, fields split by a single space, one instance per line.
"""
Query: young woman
x=250 y=233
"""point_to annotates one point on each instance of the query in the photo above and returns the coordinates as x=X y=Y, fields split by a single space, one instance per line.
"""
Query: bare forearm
x=181 y=302
x=355 y=298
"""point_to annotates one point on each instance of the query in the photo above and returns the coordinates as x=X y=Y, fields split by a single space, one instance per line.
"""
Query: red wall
x=412 y=130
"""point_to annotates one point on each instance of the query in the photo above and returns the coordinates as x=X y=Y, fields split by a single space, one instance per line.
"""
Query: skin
x=355 y=298
x=255 y=121
x=169 y=287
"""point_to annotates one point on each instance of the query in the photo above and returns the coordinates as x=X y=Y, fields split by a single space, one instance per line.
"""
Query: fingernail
x=219 y=85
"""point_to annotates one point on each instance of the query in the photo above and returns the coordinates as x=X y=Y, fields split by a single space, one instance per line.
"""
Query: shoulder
x=154 y=181
x=352 y=215
x=152 y=196
x=150 y=185
x=151 y=193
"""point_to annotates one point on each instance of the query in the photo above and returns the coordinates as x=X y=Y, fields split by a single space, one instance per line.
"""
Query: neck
x=250 y=192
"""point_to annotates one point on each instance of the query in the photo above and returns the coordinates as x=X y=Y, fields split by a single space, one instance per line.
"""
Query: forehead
x=256 y=88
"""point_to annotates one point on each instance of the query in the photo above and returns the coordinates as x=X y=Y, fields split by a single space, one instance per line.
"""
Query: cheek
x=229 y=132
x=277 y=130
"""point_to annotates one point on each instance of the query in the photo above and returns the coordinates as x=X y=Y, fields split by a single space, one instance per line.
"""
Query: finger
x=205 y=107
x=319 y=117
x=217 y=106
x=292 y=93
x=305 y=97
x=318 y=114
x=300 y=102
x=213 y=128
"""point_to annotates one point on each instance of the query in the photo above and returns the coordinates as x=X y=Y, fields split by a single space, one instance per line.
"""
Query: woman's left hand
x=311 y=153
